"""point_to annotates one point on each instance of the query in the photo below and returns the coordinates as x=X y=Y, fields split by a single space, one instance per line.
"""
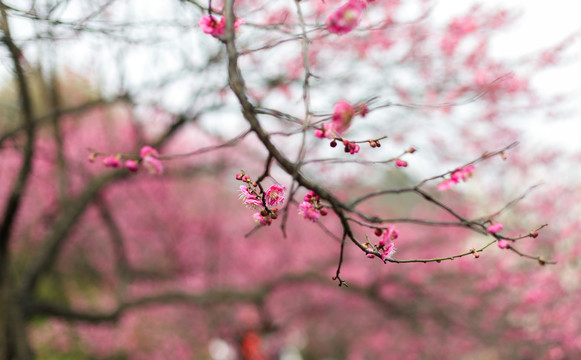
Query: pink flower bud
x=112 y=161
x=493 y=229
x=503 y=244
x=131 y=165
x=401 y=163
x=342 y=115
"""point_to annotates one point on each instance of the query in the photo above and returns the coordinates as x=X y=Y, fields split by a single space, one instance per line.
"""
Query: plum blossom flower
x=153 y=165
x=493 y=229
x=460 y=174
x=307 y=210
x=275 y=195
x=401 y=163
x=149 y=158
x=264 y=221
x=346 y=18
x=503 y=244
x=210 y=25
x=131 y=165
x=343 y=113
x=388 y=252
x=112 y=161
x=249 y=198
x=148 y=151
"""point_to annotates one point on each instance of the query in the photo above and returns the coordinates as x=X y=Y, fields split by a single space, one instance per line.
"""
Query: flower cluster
x=346 y=18
x=210 y=25
x=311 y=208
x=149 y=158
x=253 y=197
x=385 y=243
x=460 y=174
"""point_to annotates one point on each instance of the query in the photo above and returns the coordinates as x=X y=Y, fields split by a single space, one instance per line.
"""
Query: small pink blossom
x=370 y=256
x=346 y=18
x=503 y=244
x=149 y=158
x=388 y=252
x=275 y=195
x=153 y=165
x=460 y=174
x=210 y=25
x=343 y=113
x=131 y=165
x=493 y=229
x=391 y=233
x=249 y=198
x=112 y=161
x=148 y=150
x=445 y=185
x=400 y=163
x=308 y=212
x=262 y=220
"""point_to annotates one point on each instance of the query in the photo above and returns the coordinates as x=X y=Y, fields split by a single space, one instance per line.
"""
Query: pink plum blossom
x=400 y=163
x=153 y=165
x=112 y=161
x=388 y=252
x=210 y=25
x=503 y=244
x=445 y=185
x=149 y=158
x=262 y=220
x=131 y=165
x=343 y=113
x=460 y=174
x=391 y=233
x=148 y=151
x=249 y=198
x=346 y=18
x=493 y=229
x=275 y=195
x=308 y=212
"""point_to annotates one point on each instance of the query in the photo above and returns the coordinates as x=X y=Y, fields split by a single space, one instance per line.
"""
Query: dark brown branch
x=13 y=203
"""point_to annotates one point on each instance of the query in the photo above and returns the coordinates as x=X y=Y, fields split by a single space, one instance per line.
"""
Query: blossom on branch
x=112 y=161
x=131 y=165
x=346 y=18
x=249 y=197
x=210 y=25
x=311 y=208
x=493 y=229
x=308 y=212
x=460 y=174
x=275 y=195
x=343 y=113
x=150 y=160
